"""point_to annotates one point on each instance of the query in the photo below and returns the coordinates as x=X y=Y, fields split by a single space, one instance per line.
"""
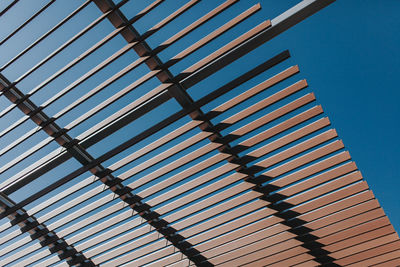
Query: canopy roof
x=115 y=158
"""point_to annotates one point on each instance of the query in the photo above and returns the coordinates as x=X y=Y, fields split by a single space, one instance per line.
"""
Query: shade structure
x=128 y=161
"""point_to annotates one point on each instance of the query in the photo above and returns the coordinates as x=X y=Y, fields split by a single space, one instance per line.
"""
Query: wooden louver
x=249 y=173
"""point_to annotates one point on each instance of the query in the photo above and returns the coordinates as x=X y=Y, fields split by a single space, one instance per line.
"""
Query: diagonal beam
x=46 y=237
x=73 y=147
x=177 y=91
x=185 y=80
x=146 y=133
x=142 y=194
x=148 y=99
x=8 y=7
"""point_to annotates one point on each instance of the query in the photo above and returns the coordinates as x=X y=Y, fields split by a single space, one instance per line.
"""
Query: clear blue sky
x=348 y=52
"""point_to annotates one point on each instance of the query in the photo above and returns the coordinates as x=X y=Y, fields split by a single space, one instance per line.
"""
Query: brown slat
x=258 y=89
x=296 y=120
x=343 y=214
x=91 y=219
x=326 y=188
x=370 y=254
x=200 y=43
x=224 y=218
x=361 y=238
x=199 y=22
x=175 y=14
x=272 y=233
x=209 y=201
x=294 y=261
x=325 y=200
x=100 y=226
x=158 y=246
x=349 y=223
x=310 y=263
x=216 y=243
x=357 y=229
x=195 y=183
x=178 y=163
x=321 y=178
x=232 y=226
x=238 y=41
x=269 y=255
x=148 y=258
x=382 y=240
x=173 y=259
x=269 y=101
x=109 y=234
x=307 y=158
x=246 y=248
x=389 y=260
x=127 y=247
x=244 y=198
x=336 y=206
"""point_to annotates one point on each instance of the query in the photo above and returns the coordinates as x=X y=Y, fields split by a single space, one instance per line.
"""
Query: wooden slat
x=370 y=256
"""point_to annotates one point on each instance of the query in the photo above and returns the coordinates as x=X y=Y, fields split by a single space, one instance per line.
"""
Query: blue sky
x=348 y=53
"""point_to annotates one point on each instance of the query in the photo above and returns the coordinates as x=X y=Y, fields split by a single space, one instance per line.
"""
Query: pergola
x=245 y=173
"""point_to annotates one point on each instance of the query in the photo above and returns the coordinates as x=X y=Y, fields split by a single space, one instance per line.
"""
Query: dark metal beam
x=115 y=185
x=146 y=133
x=188 y=79
x=47 y=238
x=8 y=7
